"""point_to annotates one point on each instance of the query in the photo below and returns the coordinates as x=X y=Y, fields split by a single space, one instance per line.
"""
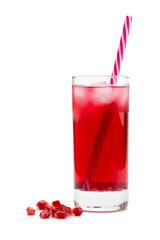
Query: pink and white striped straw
x=121 y=49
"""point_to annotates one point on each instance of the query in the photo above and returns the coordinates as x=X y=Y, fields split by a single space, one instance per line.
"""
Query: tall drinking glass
x=100 y=129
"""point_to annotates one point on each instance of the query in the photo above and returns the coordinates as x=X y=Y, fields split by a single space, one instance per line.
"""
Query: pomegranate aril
x=56 y=203
x=49 y=208
x=99 y=187
x=30 y=211
x=64 y=208
x=60 y=214
x=70 y=210
x=45 y=214
x=77 y=211
x=110 y=187
x=53 y=211
x=42 y=205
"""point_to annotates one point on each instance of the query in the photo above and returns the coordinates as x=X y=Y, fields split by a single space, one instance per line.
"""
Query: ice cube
x=124 y=98
x=120 y=97
x=80 y=103
x=101 y=95
x=80 y=95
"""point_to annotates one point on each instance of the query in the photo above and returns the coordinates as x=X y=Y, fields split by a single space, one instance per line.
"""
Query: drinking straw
x=106 y=119
x=121 y=48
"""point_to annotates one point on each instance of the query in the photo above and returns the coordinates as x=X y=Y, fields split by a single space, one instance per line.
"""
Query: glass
x=100 y=132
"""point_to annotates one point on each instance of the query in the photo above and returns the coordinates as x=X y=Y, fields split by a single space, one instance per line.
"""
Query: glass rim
x=98 y=80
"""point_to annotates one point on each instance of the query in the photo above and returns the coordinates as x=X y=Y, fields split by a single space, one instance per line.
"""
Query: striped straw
x=121 y=49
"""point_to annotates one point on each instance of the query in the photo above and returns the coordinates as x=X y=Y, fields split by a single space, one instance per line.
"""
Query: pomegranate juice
x=100 y=127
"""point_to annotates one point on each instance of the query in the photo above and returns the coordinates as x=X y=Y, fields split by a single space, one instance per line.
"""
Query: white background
x=42 y=45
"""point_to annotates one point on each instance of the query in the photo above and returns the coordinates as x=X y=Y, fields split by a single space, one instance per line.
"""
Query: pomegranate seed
x=99 y=187
x=56 y=203
x=110 y=187
x=60 y=214
x=49 y=208
x=70 y=210
x=30 y=211
x=77 y=211
x=42 y=205
x=65 y=208
x=53 y=211
x=44 y=214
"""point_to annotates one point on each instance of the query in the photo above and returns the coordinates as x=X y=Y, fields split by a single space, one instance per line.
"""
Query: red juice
x=100 y=128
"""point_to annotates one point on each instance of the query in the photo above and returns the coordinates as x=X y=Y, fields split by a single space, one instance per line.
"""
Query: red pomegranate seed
x=77 y=211
x=70 y=210
x=99 y=187
x=44 y=214
x=64 y=208
x=60 y=214
x=110 y=187
x=42 y=205
x=30 y=211
x=49 y=208
x=53 y=211
x=56 y=203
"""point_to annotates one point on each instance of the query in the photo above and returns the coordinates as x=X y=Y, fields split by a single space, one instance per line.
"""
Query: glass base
x=108 y=201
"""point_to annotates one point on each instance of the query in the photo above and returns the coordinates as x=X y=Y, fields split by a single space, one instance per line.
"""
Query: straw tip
x=129 y=17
